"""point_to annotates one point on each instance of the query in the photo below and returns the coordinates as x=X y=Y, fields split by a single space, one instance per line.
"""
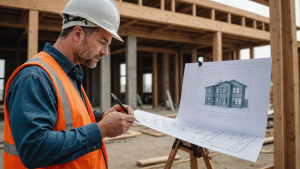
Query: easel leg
x=194 y=161
x=207 y=161
x=172 y=156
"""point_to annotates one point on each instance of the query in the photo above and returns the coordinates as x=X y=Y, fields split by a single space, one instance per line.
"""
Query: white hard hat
x=92 y=13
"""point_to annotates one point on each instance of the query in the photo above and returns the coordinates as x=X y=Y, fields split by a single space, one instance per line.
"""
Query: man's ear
x=77 y=33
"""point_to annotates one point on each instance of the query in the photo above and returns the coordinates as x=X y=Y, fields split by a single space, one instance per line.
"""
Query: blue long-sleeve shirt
x=32 y=106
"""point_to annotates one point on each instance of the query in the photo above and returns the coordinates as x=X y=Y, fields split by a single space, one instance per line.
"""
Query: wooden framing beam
x=23 y=16
x=254 y=24
x=42 y=16
x=129 y=10
x=160 y=29
x=217 y=46
x=213 y=14
x=243 y=21
x=263 y=2
x=155 y=49
x=194 y=12
x=173 y=6
x=285 y=76
x=201 y=37
x=154 y=80
x=176 y=79
x=128 y=23
x=33 y=29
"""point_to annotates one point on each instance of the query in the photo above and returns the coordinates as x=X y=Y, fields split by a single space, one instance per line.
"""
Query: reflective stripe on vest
x=10 y=149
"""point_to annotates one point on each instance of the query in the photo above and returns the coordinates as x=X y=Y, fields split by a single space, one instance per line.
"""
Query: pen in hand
x=120 y=104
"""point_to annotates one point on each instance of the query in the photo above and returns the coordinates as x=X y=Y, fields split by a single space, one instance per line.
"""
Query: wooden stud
x=33 y=28
x=217 y=46
x=213 y=14
x=154 y=80
x=173 y=5
x=252 y=52
x=254 y=24
x=140 y=2
x=229 y=17
x=243 y=21
x=263 y=26
x=194 y=10
x=162 y=5
x=167 y=71
x=181 y=69
x=194 y=56
x=234 y=55
x=176 y=79
x=285 y=76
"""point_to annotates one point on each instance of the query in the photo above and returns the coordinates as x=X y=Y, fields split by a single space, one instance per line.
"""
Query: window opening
x=147 y=83
x=122 y=78
x=2 y=79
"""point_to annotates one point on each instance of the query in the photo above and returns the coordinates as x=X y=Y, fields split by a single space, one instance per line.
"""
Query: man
x=49 y=121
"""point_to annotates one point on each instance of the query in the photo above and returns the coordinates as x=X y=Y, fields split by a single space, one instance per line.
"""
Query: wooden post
x=263 y=26
x=252 y=52
x=33 y=30
x=140 y=2
x=243 y=21
x=254 y=24
x=176 y=79
x=230 y=56
x=229 y=17
x=194 y=56
x=173 y=5
x=234 y=55
x=154 y=80
x=181 y=69
x=212 y=14
x=162 y=5
x=194 y=10
x=167 y=72
x=217 y=46
x=285 y=75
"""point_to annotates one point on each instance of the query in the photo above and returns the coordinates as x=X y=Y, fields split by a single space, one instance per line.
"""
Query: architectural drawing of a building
x=229 y=94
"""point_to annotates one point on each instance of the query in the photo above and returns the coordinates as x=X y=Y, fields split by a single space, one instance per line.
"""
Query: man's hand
x=118 y=108
x=115 y=123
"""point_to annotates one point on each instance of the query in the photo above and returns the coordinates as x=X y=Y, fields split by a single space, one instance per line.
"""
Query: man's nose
x=104 y=51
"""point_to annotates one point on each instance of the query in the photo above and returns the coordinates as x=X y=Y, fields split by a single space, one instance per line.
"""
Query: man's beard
x=84 y=56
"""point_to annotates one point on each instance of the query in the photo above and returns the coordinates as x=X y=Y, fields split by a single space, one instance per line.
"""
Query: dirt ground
x=124 y=153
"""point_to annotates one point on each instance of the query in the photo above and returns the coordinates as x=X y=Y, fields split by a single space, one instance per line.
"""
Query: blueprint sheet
x=223 y=107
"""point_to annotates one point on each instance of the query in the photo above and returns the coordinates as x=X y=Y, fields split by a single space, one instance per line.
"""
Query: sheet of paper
x=228 y=142
x=223 y=107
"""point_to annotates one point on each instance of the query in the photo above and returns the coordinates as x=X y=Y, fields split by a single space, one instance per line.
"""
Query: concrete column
x=105 y=89
x=131 y=74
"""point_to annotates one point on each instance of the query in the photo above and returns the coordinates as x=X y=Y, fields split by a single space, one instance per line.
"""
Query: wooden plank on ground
x=153 y=133
x=154 y=160
x=128 y=134
x=175 y=162
x=269 y=140
x=269 y=167
x=171 y=115
x=136 y=125
x=266 y=151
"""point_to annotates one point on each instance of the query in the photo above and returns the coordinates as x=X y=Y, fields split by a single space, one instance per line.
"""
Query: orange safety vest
x=71 y=113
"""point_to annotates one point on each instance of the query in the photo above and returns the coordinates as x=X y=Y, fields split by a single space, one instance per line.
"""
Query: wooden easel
x=195 y=153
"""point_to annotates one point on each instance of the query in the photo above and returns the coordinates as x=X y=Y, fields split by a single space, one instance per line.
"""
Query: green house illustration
x=229 y=94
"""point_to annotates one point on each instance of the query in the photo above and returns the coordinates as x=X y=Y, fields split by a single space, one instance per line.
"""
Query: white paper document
x=223 y=107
